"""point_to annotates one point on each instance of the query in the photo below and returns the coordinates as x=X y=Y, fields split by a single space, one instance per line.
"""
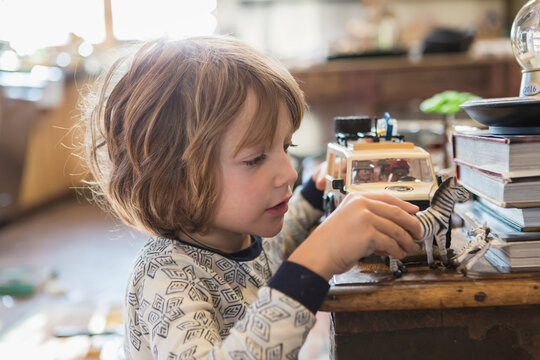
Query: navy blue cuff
x=301 y=284
x=313 y=195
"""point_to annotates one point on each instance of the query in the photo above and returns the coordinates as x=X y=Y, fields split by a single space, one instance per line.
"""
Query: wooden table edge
x=425 y=295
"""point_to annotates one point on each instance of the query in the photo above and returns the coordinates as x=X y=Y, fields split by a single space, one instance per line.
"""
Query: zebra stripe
x=435 y=220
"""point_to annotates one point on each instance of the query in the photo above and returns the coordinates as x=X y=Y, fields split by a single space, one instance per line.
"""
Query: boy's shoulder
x=157 y=247
x=161 y=259
x=160 y=252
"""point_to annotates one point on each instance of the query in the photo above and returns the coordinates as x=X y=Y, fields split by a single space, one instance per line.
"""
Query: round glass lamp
x=525 y=40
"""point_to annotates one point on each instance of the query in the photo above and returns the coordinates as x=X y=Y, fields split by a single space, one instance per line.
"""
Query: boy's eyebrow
x=255 y=148
x=290 y=135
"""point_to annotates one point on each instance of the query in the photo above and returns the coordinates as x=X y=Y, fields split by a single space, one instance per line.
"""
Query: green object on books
x=446 y=102
x=17 y=282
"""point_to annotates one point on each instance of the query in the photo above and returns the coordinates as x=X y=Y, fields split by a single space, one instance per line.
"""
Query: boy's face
x=256 y=182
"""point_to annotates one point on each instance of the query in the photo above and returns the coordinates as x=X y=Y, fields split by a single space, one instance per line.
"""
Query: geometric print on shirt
x=185 y=302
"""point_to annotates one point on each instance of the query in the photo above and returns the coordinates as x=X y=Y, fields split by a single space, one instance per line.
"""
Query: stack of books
x=503 y=172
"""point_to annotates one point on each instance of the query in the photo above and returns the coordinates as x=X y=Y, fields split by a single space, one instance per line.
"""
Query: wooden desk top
x=370 y=286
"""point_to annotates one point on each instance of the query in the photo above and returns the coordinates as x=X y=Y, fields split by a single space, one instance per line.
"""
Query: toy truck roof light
x=379 y=146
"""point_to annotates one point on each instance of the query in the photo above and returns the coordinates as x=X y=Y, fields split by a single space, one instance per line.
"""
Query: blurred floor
x=90 y=253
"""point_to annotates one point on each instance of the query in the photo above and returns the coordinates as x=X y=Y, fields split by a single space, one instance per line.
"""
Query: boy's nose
x=287 y=174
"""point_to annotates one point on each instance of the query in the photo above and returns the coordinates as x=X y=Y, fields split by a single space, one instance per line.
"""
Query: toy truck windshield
x=390 y=170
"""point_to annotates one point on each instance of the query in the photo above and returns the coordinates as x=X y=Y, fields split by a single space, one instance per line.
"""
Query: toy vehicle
x=361 y=160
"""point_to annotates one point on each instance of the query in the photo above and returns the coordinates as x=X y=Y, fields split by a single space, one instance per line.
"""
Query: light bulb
x=525 y=40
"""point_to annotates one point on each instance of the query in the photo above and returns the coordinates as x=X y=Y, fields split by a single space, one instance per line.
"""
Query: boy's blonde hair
x=154 y=127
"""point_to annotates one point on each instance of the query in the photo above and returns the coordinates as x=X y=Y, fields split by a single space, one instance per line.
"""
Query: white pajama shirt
x=186 y=302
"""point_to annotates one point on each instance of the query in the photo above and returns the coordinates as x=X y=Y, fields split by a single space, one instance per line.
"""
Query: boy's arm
x=305 y=209
x=183 y=318
x=301 y=284
x=363 y=223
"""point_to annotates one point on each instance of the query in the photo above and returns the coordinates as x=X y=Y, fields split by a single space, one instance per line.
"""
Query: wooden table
x=434 y=314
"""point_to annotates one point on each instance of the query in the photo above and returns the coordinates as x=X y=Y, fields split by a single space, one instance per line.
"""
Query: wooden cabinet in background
x=374 y=85
x=37 y=164
x=50 y=168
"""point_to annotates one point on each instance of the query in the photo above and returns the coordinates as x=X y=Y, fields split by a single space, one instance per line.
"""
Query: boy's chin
x=270 y=231
x=268 y=234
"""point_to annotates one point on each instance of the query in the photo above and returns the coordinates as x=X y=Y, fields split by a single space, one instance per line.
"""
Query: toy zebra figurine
x=435 y=219
x=435 y=222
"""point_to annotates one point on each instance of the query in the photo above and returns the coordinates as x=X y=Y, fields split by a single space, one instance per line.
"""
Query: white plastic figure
x=475 y=249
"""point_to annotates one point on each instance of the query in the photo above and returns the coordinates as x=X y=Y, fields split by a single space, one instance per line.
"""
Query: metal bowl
x=512 y=115
x=510 y=112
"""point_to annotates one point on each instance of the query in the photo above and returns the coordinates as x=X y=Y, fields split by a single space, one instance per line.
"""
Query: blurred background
x=351 y=57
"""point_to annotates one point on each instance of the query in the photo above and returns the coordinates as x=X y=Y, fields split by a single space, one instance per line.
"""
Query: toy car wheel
x=330 y=204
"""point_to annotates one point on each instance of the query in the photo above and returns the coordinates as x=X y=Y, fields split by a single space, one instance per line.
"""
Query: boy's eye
x=287 y=146
x=255 y=160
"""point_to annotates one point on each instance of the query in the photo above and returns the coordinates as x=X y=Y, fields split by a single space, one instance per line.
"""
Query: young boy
x=187 y=140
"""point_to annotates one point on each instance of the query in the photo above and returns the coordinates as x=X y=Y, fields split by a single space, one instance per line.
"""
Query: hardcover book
x=522 y=219
x=505 y=260
x=508 y=155
x=498 y=188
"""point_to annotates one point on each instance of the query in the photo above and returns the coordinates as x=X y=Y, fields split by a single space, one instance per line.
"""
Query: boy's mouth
x=280 y=209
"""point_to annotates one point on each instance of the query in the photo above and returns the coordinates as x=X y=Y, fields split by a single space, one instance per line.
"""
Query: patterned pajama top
x=186 y=302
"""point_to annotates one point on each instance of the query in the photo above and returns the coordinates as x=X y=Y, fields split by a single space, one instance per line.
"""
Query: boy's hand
x=361 y=225
x=319 y=176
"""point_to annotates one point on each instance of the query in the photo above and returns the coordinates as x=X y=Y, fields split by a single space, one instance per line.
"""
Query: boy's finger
x=320 y=176
x=395 y=232
x=396 y=215
x=320 y=182
x=385 y=244
x=392 y=200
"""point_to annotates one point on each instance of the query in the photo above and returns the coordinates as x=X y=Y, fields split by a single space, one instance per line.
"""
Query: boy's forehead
x=247 y=112
x=249 y=125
